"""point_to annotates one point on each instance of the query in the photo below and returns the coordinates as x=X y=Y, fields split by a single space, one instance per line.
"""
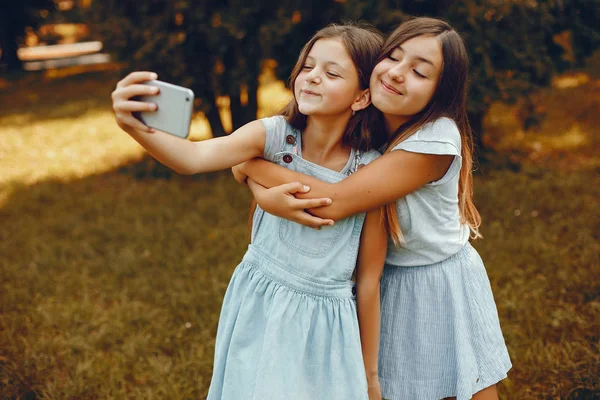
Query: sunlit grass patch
x=62 y=148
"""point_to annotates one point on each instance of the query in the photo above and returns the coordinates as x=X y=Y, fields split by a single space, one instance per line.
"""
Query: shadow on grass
x=111 y=286
x=36 y=98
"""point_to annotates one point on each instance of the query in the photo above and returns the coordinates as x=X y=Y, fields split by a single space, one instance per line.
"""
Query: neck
x=393 y=122
x=322 y=138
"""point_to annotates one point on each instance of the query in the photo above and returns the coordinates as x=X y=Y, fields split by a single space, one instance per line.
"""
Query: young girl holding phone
x=440 y=334
x=288 y=327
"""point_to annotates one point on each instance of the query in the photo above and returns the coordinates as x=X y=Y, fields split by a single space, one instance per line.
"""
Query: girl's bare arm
x=182 y=155
x=284 y=200
x=371 y=259
x=390 y=177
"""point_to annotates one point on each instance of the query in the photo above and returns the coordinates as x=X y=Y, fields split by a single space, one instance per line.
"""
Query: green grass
x=111 y=282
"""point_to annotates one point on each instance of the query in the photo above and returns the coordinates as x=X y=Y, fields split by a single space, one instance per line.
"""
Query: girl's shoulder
x=277 y=129
x=275 y=123
x=442 y=129
x=436 y=137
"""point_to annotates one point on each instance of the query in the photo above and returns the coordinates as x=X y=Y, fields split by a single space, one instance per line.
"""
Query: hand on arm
x=371 y=259
x=280 y=201
x=390 y=177
x=181 y=155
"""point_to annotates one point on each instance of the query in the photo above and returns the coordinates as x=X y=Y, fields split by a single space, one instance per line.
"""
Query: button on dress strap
x=290 y=142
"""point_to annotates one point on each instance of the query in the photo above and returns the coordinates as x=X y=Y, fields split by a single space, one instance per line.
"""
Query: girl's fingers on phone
x=136 y=90
x=135 y=106
x=136 y=124
x=136 y=77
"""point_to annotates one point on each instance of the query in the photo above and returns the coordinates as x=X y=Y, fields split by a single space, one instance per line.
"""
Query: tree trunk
x=251 y=108
x=237 y=110
x=8 y=43
x=214 y=119
x=241 y=114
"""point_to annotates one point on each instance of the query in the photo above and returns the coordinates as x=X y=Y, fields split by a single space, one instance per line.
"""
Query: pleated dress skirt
x=440 y=333
x=284 y=337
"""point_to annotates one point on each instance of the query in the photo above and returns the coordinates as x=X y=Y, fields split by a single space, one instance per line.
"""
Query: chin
x=384 y=106
x=305 y=110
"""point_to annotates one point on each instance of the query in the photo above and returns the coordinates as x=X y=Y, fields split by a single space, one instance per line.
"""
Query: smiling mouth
x=390 y=88
x=308 y=92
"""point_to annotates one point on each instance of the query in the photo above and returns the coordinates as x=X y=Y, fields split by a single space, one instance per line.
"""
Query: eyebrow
x=327 y=63
x=419 y=58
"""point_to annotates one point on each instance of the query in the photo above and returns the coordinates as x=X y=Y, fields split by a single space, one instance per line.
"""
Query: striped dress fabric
x=440 y=333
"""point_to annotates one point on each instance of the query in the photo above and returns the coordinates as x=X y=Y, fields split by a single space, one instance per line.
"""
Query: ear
x=362 y=101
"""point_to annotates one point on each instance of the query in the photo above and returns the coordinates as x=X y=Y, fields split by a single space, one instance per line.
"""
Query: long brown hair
x=449 y=100
x=365 y=130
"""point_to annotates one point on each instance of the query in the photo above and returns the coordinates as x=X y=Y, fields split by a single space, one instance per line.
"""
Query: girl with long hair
x=288 y=327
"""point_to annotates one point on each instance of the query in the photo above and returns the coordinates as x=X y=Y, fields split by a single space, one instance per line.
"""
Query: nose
x=313 y=76
x=397 y=72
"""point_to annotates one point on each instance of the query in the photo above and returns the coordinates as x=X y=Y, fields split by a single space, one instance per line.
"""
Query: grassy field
x=111 y=281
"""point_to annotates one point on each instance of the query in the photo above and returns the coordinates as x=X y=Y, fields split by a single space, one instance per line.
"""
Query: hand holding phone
x=175 y=107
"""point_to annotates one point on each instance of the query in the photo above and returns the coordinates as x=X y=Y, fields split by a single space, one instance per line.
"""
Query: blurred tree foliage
x=218 y=47
x=516 y=46
x=15 y=17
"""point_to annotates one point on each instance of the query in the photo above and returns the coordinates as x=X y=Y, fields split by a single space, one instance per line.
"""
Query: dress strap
x=290 y=142
x=355 y=162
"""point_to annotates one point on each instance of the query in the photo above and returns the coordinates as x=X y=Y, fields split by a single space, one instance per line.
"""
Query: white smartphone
x=175 y=107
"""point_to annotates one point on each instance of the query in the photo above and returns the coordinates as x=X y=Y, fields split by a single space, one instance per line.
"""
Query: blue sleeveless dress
x=288 y=327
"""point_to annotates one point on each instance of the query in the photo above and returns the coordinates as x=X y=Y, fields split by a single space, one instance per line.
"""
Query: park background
x=113 y=269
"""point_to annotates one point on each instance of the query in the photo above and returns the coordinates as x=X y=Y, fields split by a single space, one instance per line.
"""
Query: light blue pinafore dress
x=288 y=327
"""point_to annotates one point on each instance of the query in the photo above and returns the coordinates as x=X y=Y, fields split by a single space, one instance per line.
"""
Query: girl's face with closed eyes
x=328 y=82
x=403 y=83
